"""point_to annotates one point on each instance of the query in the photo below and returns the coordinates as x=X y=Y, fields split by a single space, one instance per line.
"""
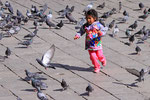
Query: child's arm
x=80 y=33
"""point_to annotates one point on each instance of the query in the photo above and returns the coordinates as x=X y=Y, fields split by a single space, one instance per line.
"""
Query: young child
x=93 y=43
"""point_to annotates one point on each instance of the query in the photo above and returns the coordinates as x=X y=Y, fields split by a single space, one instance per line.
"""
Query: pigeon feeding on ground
x=71 y=18
x=141 y=5
x=144 y=16
x=140 y=74
x=31 y=35
x=101 y=6
x=60 y=25
x=50 y=24
x=64 y=84
x=141 y=31
x=125 y=13
x=115 y=31
x=27 y=43
x=35 y=75
x=89 y=89
x=111 y=25
x=134 y=25
x=138 y=49
x=47 y=57
x=41 y=95
x=7 y=52
x=38 y=84
x=128 y=33
x=131 y=39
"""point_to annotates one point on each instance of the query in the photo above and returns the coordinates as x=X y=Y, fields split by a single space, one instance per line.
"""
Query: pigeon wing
x=133 y=72
x=47 y=57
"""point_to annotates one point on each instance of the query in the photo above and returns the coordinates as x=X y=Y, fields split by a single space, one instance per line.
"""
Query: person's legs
x=101 y=57
x=94 y=60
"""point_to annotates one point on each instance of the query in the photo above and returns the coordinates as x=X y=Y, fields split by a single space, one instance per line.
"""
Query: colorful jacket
x=93 y=38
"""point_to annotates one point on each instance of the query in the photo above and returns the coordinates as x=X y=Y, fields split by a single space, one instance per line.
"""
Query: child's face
x=90 y=19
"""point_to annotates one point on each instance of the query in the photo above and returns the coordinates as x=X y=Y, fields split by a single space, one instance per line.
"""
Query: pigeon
x=60 y=25
x=124 y=19
x=141 y=31
x=31 y=35
x=115 y=31
x=88 y=7
x=89 y=89
x=102 y=22
x=71 y=9
x=41 y=95
x=125 y=13
x=81 y=22
x=111 y=25
x=141 y=5
x=71 y=18
x=105 y=15
x=1 y=36
x=101 y=6
x=113 y=11
x=19 y=14
x=64 y=84
x=7 y=4
x=47 y=57
x=35 y=75
x=145 y=11
x=27 y=43
x=10 y=9
x=134 y=25
x=1 y=3
x=128 y=33
x=120 y=6
x=144 y=16
x=138 y=49
x=36 y=24
x=28 y=14
x=38 y=84
x=140 y=74
x=49 y=16
x=131 y=39
x=7 y=52
x=50 y=24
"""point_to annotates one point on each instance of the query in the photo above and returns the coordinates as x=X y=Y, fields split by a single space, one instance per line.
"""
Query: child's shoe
x=104 y=63
x=96 y=70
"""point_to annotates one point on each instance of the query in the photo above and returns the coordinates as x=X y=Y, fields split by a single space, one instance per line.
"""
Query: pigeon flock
x=11 y=22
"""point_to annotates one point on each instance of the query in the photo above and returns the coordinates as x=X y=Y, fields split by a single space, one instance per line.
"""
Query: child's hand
x=76 y=37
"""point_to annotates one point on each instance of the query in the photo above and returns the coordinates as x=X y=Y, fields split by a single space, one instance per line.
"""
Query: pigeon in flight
x=64 y=84
x=89 y=89
x=47 y=57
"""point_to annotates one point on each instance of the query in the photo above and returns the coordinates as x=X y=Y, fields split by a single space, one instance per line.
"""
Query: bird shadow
x=22 y=47
x=136 y=9
x=133 y=53
x=110 y=35
x=60 y=17
x=29 y=90
x=77 y=27
x=68 y=67
x=141 y=20
x=58 y=90
x=128 y=85
x=120 y=22
x=84 y=94
x=32 y=28
x=127 y=43
x=124 y=37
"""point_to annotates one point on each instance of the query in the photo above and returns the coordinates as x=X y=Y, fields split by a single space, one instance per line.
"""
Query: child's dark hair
x=92 y=13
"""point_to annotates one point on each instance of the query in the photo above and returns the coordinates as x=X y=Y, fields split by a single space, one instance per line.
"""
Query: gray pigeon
x=89 y=89
x=41 y=95
x=31 y=35
x=88 y=7
x=10 y=9
x=7 y=52
x=101 y=6
x=1 y=36
x=19 y=98
x=138 y=49
x=38 y=84
x=120 y=6
x=28 y=14
x=36 y=24
x=141 y=5
x=134 y=25
x=27 y=43
x=64 y=84
x=71 y=18
x=50 y=24
x=128 y=33
x=111 y=25
x=140 y=74
x=47 y=57
x=144 y=16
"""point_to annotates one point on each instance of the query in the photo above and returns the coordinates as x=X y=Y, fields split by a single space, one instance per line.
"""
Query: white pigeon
x=88 y=7
x=49 y=16
x=47 y=57
x=115 y=31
